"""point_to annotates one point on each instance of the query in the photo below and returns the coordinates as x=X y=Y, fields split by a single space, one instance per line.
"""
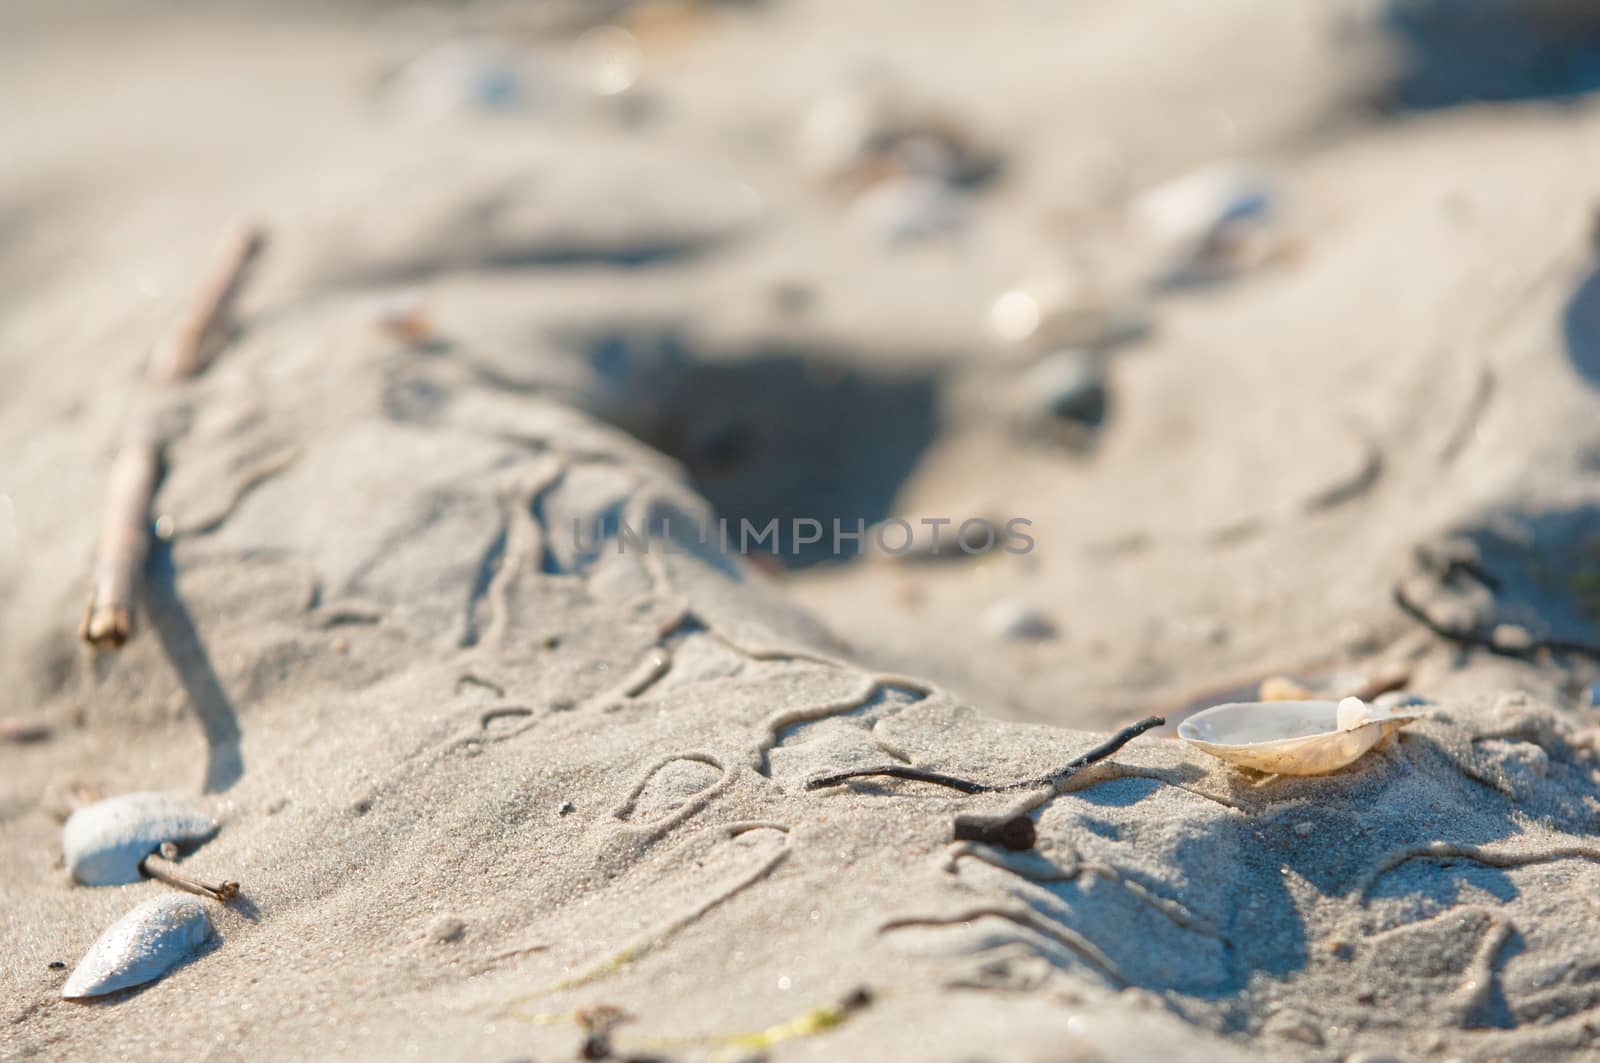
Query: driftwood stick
x=125 y=532
x=197 y=337
x=164 y=869
x=124 y=537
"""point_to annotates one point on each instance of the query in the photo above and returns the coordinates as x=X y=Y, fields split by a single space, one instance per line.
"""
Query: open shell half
x=1292 y=737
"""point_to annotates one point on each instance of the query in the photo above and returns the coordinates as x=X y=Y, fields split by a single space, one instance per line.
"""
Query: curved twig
x=1468 y=637
x=968 y=786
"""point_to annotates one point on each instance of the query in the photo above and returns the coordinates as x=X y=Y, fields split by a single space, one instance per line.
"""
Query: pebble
x=142 y=946
x=1015 y=314
x=104 y=842
x=1282 y=688
x=1371 y=1057
x=1512 y=637
x=1192 y=205
x=1294 y=1026
x=1197 y=220
x=446 y=929
x=1060 y=309
x=1067 y=385
x=864 y=130
x=1017 y=622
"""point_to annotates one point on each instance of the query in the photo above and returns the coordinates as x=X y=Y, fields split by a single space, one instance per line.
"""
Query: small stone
x=1282 y=688
x=1292 y=1025
x=1304 y=828
x=1207 y=630
x=1208 y=222
x=1068 y=386
x=405 y=320
x=874 y=127
x=1371 y=1057
x=566 y=808
x=446 y=930
x=1017 y=622
x=1015 y=832
x=1512 y=638
x=1015 y=314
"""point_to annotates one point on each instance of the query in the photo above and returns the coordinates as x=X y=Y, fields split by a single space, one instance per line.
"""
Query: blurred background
x=1237 y=301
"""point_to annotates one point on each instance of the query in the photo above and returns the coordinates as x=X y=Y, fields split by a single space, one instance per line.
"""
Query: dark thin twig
x=1468 y=637
x=968 y=786
x=1450 y=560
x=163 y=869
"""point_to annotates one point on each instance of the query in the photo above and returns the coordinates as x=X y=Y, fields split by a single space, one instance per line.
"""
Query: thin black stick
x=968 y=786
x=1467 y=637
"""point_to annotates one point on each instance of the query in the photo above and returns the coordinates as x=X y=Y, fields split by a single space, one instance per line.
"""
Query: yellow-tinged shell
x=1291 y=737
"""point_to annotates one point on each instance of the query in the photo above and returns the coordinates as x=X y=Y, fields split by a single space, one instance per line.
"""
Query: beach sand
x=491 y=795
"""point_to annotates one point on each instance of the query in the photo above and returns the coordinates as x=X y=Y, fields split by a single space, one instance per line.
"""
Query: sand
x=481 y=785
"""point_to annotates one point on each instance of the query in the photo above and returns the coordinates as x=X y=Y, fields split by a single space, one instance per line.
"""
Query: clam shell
x=142 y=946
x=1291 y=737
x=105 y=841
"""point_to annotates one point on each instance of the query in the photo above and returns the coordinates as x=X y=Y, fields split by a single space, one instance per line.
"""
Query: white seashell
x=1191 y=208
x=1188 y=220
x=1017 y=622
x=1292 y=737
x=105 y=841
x=142 y=946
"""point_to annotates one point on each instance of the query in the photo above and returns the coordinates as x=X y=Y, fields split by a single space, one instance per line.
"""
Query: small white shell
x=142 y=946
x=1291 y=737
x=1189 y=209
x=105 y=841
